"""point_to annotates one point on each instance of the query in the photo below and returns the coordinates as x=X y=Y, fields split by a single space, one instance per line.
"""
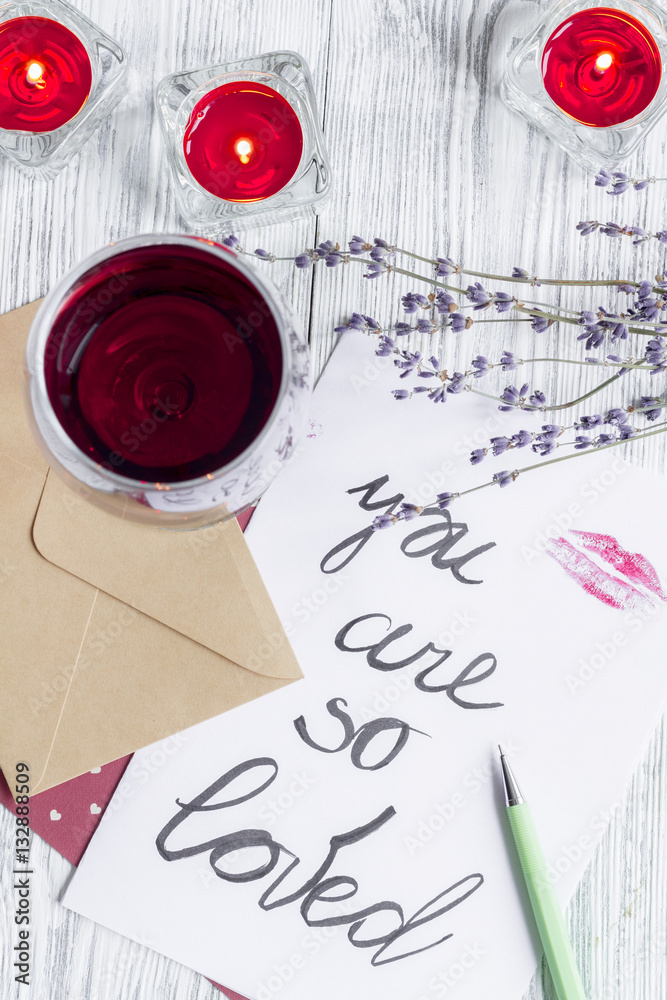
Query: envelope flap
x=204 y=584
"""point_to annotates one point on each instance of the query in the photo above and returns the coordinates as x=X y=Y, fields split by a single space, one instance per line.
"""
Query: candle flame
x=35 y=72
x=243 y=149
x=604 y=61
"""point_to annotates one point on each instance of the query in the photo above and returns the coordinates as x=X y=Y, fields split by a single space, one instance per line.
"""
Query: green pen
x=548 y=914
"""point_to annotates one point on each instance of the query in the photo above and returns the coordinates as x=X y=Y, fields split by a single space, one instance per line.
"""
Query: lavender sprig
x=596 y=431
x=541 y=315
x=440 y=319
x=551 y=436
x=615 y=230
x=617 y=182
x=507 y=477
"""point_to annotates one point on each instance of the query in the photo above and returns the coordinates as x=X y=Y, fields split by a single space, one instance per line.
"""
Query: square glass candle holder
x=523 y=87
x=281 y=78
x=25 y=44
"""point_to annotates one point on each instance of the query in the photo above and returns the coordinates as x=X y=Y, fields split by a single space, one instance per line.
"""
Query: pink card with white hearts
x=67 y=816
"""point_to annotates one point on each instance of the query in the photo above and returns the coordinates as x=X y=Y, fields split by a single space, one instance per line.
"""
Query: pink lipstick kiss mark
x=611 y=590
x=632 y=565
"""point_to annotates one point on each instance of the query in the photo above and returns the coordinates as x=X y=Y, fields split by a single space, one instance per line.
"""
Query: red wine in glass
x=164 y=363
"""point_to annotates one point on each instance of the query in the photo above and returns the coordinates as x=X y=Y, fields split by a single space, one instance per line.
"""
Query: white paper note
x=346 y=837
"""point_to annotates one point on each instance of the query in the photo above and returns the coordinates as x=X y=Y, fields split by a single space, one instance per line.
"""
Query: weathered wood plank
x=424 y=154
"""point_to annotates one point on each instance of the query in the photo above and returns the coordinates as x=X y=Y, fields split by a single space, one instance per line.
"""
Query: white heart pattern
x=55 y=814
x=96 y=770
x=95 y=809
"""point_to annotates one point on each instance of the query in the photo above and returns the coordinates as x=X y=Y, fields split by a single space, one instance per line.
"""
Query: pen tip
x=501 y=751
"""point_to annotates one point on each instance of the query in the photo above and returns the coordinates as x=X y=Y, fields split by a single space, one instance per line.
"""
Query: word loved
x=471 y=674
x=435 y=541
x=425 y=929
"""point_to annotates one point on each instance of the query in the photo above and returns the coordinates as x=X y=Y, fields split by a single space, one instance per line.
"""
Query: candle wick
x=243 y=148
x=35 y=74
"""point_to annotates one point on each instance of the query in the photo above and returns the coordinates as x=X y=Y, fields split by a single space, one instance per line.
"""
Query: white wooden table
x=424 y=154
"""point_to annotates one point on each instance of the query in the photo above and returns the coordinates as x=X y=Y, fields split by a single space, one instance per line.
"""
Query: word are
x=471 y=674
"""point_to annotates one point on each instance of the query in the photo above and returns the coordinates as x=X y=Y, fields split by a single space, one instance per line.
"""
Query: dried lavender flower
x=504 y=478
x=460 y=322
x=587 y=423
x=586 y=228
x=408 y=511
x=521 y=439
x=616 y=417
x=444 y=302
x=503 y=301
x=655 y=354
x=544 y=447
x=457 y=383
x=385 y=347
x=445 y=267
x=444 y=499
x=479 y=296
x=512 y=396
x=383 y=521
x=508 y=361
x=413 y=301
x=620 y=182
x=647 y=401
x=358 y=245
x=499 y=445
x=540 y=323
x=481 y=366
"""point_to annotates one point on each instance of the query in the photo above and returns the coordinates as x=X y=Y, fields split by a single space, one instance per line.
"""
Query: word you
x=435 y=541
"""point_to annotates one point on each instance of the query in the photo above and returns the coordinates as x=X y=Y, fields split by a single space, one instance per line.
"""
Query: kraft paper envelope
x=113 y=635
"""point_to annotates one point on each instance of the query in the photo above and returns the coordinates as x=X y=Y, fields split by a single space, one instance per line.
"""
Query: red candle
x=45 y=74
x=243 y=141
x=601 y=66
